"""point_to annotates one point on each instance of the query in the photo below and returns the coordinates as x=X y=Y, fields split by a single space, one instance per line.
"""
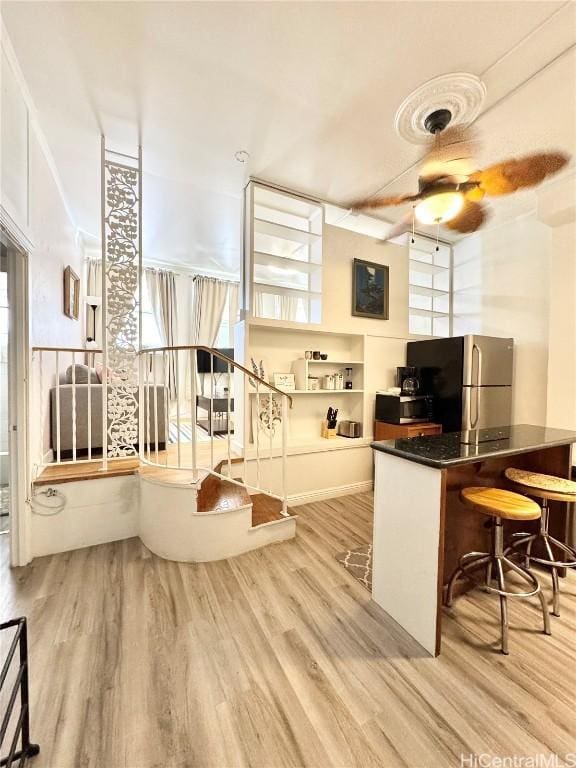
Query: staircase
x=217 y=494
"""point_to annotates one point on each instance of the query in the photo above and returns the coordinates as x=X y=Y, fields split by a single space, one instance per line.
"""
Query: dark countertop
x=453 y=448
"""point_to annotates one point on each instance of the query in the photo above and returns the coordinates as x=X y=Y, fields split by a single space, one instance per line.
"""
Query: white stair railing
x=68 y=416
x=177 y=375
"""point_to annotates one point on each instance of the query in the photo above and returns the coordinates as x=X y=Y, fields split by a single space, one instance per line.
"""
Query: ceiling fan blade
x=381 y=202
x=470 y=218
x=511 y=175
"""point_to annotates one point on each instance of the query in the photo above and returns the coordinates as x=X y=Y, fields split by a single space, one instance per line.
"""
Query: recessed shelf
x=344 y=363
x=265 y=393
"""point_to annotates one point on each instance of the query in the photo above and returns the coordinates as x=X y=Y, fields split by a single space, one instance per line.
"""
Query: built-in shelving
x=283 y=275
x=281 y=349
x=430 y=272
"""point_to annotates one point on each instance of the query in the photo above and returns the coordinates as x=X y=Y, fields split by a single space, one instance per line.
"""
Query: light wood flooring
x=276 y=658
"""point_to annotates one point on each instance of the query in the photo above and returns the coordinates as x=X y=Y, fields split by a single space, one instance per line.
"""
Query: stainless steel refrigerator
x=469 y=379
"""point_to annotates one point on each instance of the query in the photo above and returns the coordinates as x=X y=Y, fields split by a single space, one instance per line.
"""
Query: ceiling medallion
x=459 y=93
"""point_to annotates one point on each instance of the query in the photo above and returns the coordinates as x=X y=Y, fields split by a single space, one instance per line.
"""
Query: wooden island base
x=421 y=528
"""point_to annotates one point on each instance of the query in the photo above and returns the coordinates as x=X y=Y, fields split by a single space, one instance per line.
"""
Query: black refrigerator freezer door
x=441 y=365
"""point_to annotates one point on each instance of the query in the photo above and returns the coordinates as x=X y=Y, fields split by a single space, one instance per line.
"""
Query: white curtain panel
x=208 y=302
x=161 y=286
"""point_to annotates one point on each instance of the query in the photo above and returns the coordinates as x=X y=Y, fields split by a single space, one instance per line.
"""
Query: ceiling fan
x=450 y=191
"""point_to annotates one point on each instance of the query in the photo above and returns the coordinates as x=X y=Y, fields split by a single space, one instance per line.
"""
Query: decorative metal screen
x=121 y=256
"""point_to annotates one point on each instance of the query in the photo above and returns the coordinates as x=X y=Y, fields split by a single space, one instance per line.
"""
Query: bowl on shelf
x=323 y=356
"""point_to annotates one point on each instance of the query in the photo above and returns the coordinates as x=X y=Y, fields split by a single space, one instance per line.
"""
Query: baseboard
x=308 y=497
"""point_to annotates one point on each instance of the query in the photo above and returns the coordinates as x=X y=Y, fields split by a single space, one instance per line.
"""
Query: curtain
x=209 y=300
x=207 y=308
x=278 y=307
x=161 y=286
x=94 y=288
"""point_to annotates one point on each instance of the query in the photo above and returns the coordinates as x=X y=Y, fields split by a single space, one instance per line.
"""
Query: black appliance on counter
x=402 y=409
x=408 y=379
x=469 y=379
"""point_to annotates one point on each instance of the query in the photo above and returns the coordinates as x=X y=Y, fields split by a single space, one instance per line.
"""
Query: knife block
x=326 y=432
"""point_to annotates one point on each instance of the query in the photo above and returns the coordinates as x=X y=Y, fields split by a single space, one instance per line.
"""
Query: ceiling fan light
x=439 y=208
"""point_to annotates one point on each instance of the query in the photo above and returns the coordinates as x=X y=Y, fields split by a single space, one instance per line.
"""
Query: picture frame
x=285 y=381
x=71 y=294
x=370 y=289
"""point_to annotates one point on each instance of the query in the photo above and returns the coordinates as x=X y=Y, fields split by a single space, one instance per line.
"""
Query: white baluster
x=166 y=404
x=257 y=437
x=147 y=402
x=42 y=406
x=177 y=366
x=57 y=404
x=155 y=389
x=284 y=461
x=73 y=406
x=142 y=362
x=89 y=404
x=194 y=368
x=229 y=416
x=270 y=439
x=211 y=421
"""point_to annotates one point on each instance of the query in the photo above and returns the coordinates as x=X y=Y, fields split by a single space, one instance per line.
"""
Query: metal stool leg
x=555 y=584
x=503 y=606
x=529 y=576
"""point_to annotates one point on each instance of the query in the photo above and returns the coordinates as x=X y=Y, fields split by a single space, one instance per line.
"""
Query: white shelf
x=421 y=290
x=284 y=232
x=285 y=262
x=345 y=363
x=265 y=393
x=429 y=269
x=280 y=290
x=417 y=312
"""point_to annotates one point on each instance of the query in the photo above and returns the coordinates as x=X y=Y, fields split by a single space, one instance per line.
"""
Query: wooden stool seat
x=497 y=502
x=543 y=486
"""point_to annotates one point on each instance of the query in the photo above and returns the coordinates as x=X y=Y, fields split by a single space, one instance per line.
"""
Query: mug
x=316 y=355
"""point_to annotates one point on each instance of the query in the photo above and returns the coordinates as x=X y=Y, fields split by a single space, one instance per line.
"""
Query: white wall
x=501 y=279
x=31 y=198
x=518 y=278
x=561 y=395
x=385 y=339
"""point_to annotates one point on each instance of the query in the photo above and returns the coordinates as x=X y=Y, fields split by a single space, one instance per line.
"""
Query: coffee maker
x=408 y=379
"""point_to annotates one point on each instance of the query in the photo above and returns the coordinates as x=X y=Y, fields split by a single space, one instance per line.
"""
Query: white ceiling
x=308 y=89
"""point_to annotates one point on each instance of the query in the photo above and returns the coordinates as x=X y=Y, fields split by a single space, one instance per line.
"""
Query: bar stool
x=499 y=505
x=546 y=488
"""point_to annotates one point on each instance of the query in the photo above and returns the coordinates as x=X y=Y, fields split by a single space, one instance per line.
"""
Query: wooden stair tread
x=224 y=462
x=265 y=509
x=91 y=470
x=169 y=476
x=217 y=495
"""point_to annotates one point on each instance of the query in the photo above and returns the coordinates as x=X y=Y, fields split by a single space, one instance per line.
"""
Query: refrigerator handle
x=474 y=422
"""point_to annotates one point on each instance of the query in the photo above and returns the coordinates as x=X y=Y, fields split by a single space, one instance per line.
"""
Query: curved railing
x=175 y=370
x=168 y=404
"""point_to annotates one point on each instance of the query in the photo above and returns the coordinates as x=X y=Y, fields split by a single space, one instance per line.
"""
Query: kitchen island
x=421 y=528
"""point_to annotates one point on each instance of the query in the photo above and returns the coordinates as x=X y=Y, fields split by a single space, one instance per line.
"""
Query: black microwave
x=402 y=409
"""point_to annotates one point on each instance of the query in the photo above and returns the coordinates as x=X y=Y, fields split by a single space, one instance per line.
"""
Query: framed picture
x=285 y=381
x=71 y=294
x=370 y=287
